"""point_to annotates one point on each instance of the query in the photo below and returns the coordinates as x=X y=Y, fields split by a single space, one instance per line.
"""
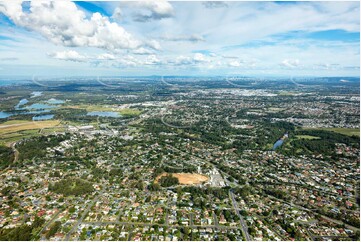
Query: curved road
x=16 y=152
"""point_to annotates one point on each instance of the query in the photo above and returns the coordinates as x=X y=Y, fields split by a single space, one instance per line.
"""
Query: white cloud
x=235 y=63
x=153 y=44
x=150 y=10
x=142 y=51
x=63 y=24
x=117 y=14
x=183 y=60
x=70 y=55
x=152 y=60
x=127 y=61
x=199 y=57
x=291 y=63
x=106 y=56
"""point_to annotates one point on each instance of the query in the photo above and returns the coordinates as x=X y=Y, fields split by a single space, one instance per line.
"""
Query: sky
x=179 y=38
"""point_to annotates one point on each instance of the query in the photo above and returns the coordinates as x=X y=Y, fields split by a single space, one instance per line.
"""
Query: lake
x=104 y=114
x=36 y=94
x=21 y=103
x=5 y=114
x=55 y=101
x=40 y=106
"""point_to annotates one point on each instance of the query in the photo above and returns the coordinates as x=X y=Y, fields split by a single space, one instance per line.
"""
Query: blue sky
x=179 y=38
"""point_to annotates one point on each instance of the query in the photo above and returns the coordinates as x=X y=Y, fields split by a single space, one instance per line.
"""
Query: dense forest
x=6 y=156
x=168 y=181
x=36 y=147
x=24 y=232
x=71 y=187
x=324 y=144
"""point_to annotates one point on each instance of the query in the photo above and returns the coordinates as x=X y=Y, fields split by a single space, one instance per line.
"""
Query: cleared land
x=122 y=111
x=187 y=178
x=15 y=127
x=18 y=121
x=345 y=131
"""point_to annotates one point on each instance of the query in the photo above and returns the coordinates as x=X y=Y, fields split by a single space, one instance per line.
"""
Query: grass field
x=307 y=137
x=91 y=108
x=20 y=126
x=130 y=112
x=187 y=178
x=15 y=130
x=15 y=122
x=345 y=131
x=8 y=138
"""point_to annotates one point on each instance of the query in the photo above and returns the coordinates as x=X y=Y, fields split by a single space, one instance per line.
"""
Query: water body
x=280 y=141
x=13 y=82
x=36 y=94
x=37 y=106
x=5 y=114
x=43 y=117
x=55 y=101
x=104 y=114
x=21 y=103
x=277 y=144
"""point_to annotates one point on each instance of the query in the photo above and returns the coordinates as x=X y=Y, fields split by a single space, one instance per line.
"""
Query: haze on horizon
x=179 y=38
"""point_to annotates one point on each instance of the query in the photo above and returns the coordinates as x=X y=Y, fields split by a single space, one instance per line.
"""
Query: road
x=235 y=205
x=151 y=224
x=243 y=223
x=173 y=126
x=16 y=152
x=47 y=224
x=215 y=219
x=80 y=220
x=309 y=210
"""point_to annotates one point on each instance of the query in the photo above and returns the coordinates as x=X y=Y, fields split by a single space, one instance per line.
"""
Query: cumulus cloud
x=196 y=59
x=291 y=63
x=63 y=23
x=183 y=60
x=106 y=56
x=70 y=55
x=142 y=51
x=127 y=60
x=149 y=10
x=235 y=63
x=155 y=45
x=199 y=57
x=152 y=60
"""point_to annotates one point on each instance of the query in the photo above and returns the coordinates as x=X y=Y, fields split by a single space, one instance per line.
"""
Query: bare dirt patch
x=187 y=178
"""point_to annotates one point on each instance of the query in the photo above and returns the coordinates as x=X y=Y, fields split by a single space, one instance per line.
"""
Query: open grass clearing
x=10 y=128
x=100 y=108
x=345 y=131
x=307 y=137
